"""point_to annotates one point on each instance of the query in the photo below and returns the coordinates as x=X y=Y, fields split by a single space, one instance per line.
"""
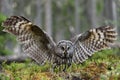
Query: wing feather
x=34 y=40
x=92 y=41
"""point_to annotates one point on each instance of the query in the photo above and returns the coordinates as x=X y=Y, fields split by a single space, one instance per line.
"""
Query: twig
x=16 y=58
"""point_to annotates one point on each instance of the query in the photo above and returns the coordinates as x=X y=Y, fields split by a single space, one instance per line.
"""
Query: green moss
x=102 y=65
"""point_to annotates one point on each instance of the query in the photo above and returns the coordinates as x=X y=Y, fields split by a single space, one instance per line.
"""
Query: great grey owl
x=38 y=45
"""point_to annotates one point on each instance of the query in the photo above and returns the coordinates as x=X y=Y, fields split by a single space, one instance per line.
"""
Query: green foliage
x=2 y=18
x=4 y=38
x=103 y=65
x=4 y=77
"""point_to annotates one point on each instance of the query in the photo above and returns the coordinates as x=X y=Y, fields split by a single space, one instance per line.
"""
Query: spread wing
x=35 y=42
x=92 y=41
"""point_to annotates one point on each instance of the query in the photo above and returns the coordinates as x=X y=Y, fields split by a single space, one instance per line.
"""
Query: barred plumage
x=92 y=41
x=35 y=41
x=39 y=45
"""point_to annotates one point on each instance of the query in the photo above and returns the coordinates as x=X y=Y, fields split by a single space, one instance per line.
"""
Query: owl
x=39 y=46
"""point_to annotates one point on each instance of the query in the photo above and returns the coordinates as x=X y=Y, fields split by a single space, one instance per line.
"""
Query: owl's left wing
x=36 y=43
x=92 y=41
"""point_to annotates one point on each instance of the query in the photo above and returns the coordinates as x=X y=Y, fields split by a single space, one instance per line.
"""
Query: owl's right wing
x=35 y=42
x=92 y=41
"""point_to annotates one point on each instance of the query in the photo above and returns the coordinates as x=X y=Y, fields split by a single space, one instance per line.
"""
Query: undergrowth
x=103 y=65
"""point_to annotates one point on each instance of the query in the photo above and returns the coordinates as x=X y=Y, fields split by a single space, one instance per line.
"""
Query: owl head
x=64 y=49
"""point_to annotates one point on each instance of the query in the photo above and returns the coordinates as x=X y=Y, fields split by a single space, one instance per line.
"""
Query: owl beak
x=65 y=52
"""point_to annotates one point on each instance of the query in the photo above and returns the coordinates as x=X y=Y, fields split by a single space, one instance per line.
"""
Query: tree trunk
x=110 y=11
x=91 y=10
x=6 y=7
x=38 y=18
x=77 y=16
x=48 y=17
x=0 y=5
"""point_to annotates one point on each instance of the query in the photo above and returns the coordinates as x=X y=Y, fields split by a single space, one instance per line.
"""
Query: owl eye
x=62 y=48
x=68 y=48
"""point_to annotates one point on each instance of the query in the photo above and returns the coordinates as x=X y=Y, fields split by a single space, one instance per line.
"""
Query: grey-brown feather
x=92 y=41
x=34 y=40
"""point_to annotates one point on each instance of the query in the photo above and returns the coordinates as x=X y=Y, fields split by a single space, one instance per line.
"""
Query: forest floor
x=103 y=65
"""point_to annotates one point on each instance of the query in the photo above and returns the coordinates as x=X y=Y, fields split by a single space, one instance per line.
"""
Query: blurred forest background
x=61 y=19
